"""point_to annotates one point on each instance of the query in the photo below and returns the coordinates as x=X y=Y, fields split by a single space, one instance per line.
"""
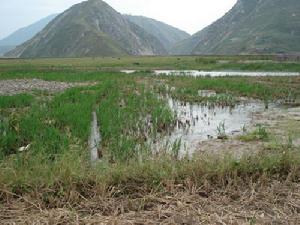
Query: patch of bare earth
x=18 y=86
x=282 y=123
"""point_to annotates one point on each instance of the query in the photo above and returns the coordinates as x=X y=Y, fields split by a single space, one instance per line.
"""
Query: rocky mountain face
x=250 y=27
x=91 y=28
x=166 y=34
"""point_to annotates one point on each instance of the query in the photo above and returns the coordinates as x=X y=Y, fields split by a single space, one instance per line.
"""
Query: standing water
x=197 y=73
x=95 y=139
x=197 y=123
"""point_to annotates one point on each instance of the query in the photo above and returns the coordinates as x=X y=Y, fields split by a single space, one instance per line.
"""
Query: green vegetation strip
x=57 y=131
x=206 y=63
x=16 y=101
x=228 y=88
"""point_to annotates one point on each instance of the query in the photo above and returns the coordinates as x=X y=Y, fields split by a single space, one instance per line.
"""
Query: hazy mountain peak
x=251 y=26
x=90 y=28
x=166 y=34
x=23 y=34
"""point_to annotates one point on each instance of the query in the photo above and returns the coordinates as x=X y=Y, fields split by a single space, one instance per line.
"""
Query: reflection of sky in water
x=198 y=123
x=196 y=73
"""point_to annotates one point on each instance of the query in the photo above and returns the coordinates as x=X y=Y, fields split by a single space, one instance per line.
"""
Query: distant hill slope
x=91 y=28
x=24 y=34
x=251 y=26
x=5 y=49
x=168 y=35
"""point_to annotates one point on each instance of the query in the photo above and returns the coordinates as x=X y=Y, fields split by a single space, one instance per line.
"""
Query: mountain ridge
x=24 y=34
x=167 y=34
x=90 y=28
x=250 y=27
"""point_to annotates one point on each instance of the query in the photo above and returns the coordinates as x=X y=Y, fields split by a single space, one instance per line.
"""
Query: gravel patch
x=18 y=86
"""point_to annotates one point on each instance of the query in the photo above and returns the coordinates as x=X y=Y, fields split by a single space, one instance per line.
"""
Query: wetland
x=167 y=144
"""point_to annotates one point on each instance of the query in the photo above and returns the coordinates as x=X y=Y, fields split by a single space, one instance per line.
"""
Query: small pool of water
x=197 y=73
x=128 y=71
x=197 y=123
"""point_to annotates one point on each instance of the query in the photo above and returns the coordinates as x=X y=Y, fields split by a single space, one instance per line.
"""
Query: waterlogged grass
x=16 y=101
x=124 y=110
x=31 y=129
x=64 y=76
x=71 y=111
x=130 y=114
x=227 y=88
x=48 y=126
x=260 y=134
x=125 y=116
x=246 y=63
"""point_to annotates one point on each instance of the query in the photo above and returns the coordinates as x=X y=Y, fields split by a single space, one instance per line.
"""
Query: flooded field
x=95 y=139
x=196 y=123
x=197 y=73
x=81 y=140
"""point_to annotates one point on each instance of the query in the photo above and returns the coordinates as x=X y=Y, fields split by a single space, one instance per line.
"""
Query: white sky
x=188 y=15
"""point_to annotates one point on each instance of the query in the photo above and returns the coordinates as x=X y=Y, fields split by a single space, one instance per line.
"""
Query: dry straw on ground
x=264 y=202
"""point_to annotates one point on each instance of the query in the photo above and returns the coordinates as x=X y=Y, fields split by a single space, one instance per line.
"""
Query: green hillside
x=91 y=28
x=250 y=27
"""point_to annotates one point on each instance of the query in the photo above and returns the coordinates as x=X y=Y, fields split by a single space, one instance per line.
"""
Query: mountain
x=91 y=28
x=165 y=33
x=5 y=49
x=24 y=34
x=250 y=27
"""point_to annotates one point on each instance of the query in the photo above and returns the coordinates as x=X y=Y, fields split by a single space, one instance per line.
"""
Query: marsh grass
x=248 y=63
x=56 y=171
x=129 y=117
x=122 y=106
x=16 y=101
x=229 y=89
x=221 y=131
x=260 y=134
x=70 y=179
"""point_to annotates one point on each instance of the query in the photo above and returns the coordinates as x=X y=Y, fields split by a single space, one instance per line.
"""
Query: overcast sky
x=189 y=15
